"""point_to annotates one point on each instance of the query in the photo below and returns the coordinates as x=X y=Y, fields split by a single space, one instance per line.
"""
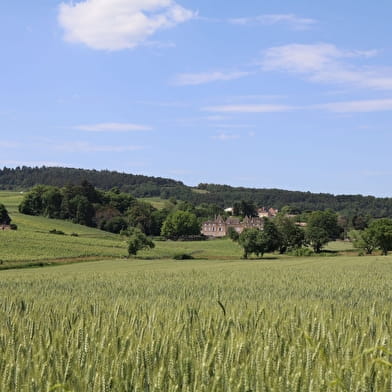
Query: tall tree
x=381 y=231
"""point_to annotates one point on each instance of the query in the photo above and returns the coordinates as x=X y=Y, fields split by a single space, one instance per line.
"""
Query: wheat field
x=311 y=324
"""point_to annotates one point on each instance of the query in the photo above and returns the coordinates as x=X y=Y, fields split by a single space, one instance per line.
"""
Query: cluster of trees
x=348 y=206
x=116 y=211
x=378 y=235
x=283 y=234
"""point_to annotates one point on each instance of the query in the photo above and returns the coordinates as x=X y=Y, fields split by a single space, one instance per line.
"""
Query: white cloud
x=87 y=147
x=193 y=79
x=224 y=137
x=366 y=106
x=326 y=63
x=112 y=127
x=251 y=108
x=118 y=24
x=293 y=21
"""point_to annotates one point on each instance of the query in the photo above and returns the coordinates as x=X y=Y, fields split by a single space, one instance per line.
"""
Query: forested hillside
x=221 y=195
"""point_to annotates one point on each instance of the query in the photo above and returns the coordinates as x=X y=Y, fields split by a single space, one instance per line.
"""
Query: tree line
x=116 y=211
x=348 y=206
x=284 y=235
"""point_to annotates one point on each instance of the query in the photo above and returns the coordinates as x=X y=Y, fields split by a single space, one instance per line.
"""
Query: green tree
x=363 y=239
x=138 y=241
x=253 y=241
x=271 y=235
x=291 y=235
x=381 y=231
x=4 y=217
x=180 y=224
x=322 y=227
x=317 y=237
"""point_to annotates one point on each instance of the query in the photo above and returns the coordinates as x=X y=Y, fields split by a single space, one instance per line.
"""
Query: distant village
x=219 y=227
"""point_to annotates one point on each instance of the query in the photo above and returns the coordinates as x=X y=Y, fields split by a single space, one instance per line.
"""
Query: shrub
x=183 y=256
x=58 y=232
x=301 y=252
x=13 y=226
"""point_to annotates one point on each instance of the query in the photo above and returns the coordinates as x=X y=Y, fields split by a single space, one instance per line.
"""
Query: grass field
x=304 y=324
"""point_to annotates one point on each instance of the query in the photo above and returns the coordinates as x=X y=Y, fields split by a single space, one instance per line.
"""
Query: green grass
x=32 y=244
x=294 y=324
x=156 y=202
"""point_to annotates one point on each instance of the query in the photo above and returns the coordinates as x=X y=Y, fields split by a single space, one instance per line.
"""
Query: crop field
x=304 y=324
x=216 y=323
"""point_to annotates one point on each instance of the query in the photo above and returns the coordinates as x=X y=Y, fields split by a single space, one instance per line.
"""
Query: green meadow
x=215 y=323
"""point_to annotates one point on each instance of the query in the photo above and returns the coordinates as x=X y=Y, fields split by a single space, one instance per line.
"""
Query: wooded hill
x=23 y=178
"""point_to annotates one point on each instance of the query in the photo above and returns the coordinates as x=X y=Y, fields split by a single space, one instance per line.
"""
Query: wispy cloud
x=112 y=127
x=366 y=106
x=358 y=106
x=120 y=24
x=224 y=137
x=292 y=21
x=194 y=79
x=325 y=63
x=251 y=108
x=87 y=147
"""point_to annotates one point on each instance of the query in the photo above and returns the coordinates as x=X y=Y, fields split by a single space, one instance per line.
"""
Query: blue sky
x=279 y=94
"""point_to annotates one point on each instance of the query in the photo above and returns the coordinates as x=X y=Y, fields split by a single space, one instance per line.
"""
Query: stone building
x=219 y=227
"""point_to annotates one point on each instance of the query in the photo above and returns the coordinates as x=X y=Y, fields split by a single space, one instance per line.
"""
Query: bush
x=58 y=232
x=74 y=235
x=301 y=252
x=13 y=226
x=183 y=256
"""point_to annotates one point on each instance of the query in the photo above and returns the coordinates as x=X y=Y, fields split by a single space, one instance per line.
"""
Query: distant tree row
x=283 y=234
x=116 y=211
x=242 y=199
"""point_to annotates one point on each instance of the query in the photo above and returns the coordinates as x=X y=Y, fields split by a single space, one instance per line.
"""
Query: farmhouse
x=264 y=213
x=219 y=227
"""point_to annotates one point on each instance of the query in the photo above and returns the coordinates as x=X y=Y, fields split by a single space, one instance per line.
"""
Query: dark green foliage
x=253 y=241
x=115 y=225
x=317 y=237
x=322 y=227
x=291 y=235
x=272 y=237
x=363 y=239
x=183 y=256
x=355 y=207
x=138 y=241
x=13 y=226
x=233 y=234
x=58 y=232
x=381 y=232
x=244 y=208
x=260 y=241
x=4 y=217
x=146 y=218
x=179 y=224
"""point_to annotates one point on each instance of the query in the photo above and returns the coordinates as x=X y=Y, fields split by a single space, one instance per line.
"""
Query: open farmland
x=314 y=324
